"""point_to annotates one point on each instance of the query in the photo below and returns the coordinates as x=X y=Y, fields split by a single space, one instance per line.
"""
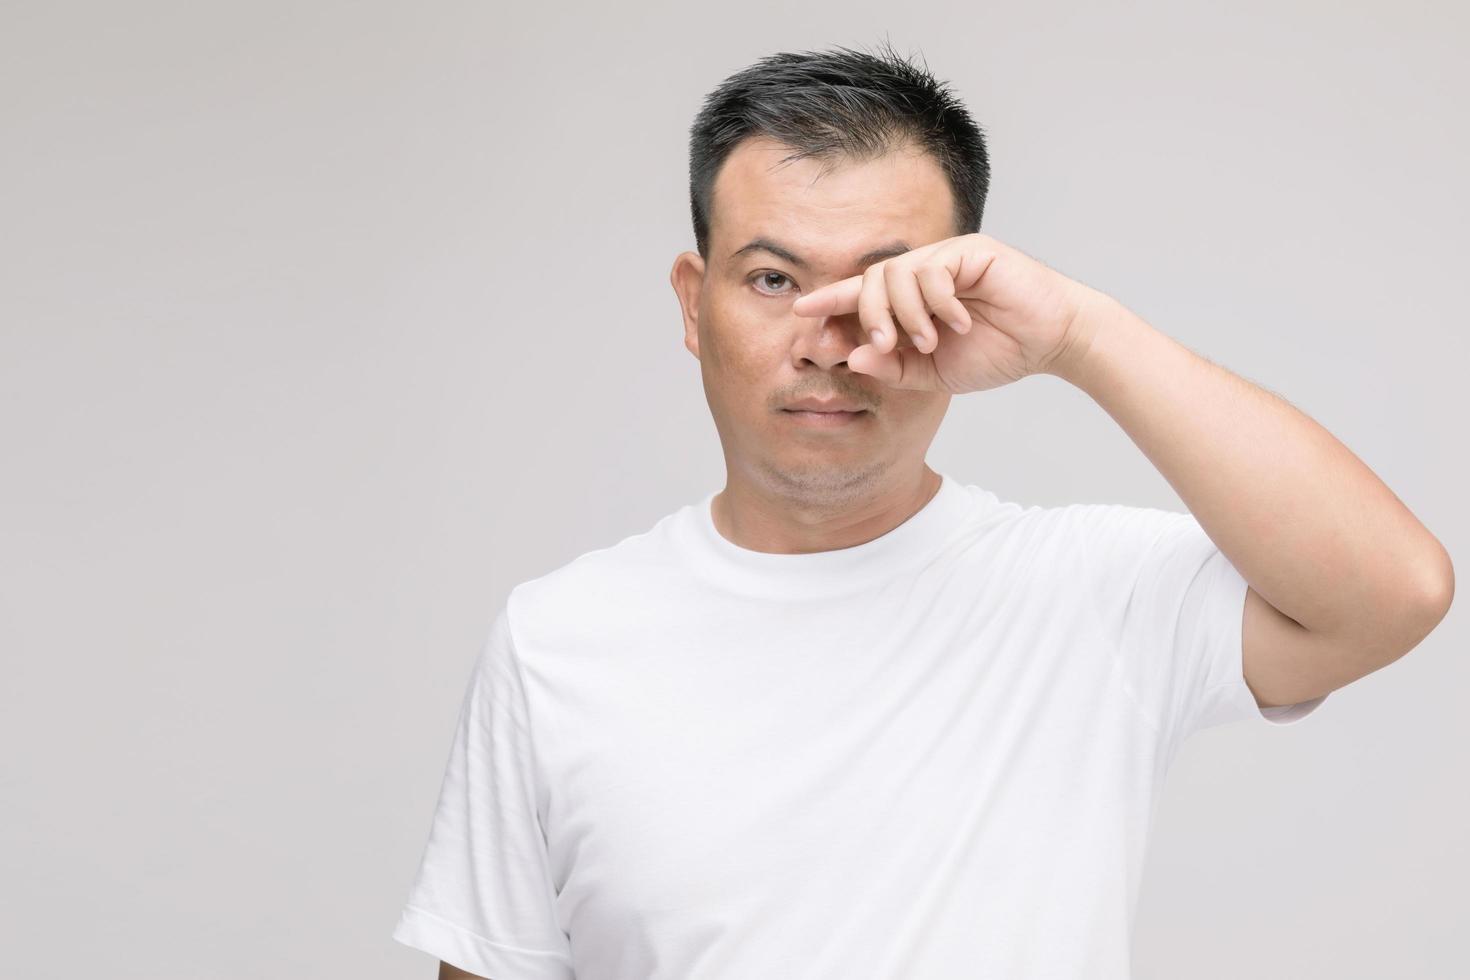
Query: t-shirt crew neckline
x=837 y=570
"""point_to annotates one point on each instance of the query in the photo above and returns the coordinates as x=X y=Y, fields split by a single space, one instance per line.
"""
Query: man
x=850 y=717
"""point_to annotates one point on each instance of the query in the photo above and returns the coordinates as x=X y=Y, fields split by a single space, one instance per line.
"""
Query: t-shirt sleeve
x=483 y=898
x=1174 y=606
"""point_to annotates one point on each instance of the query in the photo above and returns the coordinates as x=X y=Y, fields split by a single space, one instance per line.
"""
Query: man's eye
x=764 y=280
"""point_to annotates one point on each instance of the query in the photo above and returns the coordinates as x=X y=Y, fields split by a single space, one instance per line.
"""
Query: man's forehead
x=839 y=214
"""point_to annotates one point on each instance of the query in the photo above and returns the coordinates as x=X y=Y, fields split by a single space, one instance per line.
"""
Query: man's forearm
x=1306 y=522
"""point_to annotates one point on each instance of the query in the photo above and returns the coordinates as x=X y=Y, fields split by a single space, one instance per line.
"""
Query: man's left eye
x=765 y=277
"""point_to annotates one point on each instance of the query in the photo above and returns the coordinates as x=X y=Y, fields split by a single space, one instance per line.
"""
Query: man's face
x=756 y=356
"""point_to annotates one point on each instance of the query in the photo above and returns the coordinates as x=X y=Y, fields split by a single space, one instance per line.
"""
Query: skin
x=792 y=488
x=447 y=972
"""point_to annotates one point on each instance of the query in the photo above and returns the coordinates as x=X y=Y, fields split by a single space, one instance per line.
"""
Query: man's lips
x=825 y=418
x=808 y=411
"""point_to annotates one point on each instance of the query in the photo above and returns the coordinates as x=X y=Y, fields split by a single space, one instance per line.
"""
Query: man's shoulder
x=602 y=584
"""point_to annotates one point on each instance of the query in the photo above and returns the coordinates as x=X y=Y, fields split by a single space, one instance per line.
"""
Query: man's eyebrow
x=766 y=245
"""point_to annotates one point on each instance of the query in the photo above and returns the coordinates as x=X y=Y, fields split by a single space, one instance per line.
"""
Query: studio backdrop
x=323 y=326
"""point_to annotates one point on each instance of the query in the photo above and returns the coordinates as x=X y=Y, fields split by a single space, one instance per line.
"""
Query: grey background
x=326 y=324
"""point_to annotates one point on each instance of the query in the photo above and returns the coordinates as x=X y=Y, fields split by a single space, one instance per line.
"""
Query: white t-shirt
x=931 y=755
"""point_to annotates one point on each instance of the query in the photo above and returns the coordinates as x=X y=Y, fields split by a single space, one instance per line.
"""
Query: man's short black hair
x=839 y=104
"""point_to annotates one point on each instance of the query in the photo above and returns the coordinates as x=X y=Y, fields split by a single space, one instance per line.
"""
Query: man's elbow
x=1435 y=594
x=1439 y=590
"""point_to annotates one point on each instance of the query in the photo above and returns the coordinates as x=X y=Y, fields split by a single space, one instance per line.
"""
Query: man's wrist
x=1091 y=315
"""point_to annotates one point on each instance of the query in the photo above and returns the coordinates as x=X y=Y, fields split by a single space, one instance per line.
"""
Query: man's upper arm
x=1285 y=663
x=449 y=972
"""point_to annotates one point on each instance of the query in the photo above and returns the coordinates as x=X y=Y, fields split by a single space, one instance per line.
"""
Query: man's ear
x=687 y=278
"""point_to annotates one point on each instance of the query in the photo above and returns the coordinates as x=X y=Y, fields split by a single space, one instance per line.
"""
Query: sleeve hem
x=459 y=947
x=1287 y=714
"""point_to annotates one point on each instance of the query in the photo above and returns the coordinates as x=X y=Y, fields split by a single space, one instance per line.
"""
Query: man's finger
x=867 y=359
x=902 y=367
x=833 y=299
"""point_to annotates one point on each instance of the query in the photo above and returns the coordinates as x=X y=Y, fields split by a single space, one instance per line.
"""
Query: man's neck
x=782 y=525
